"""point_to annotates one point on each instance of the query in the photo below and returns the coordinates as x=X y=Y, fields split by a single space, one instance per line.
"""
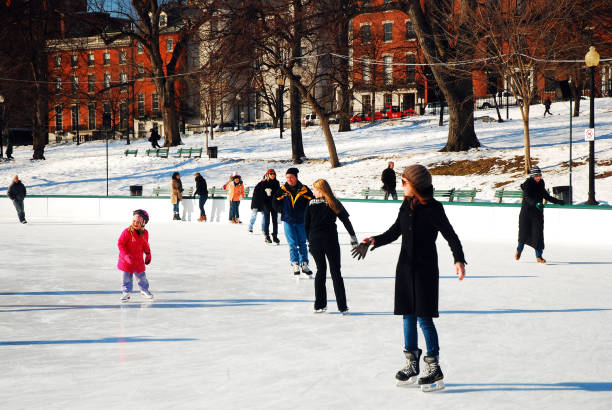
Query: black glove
x=360 y=251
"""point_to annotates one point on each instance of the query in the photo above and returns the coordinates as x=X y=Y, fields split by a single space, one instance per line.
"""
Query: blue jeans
x=254 y=213
x=296 y=238
x=234 y=206
x=19 y=208
x=175 y=206
x=201 y=203
x=520 y=247
x=143 y=283
x=429 y=332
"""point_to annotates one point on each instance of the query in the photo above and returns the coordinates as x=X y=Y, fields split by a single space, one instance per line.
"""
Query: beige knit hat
x=418 y=176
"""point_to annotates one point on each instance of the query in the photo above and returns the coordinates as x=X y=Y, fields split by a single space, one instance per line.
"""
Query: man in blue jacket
x=291 y=200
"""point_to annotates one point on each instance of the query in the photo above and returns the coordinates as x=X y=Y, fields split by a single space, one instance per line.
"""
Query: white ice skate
x=322 y=310
x=125 y=297
x=147 y=294
x=432 y=380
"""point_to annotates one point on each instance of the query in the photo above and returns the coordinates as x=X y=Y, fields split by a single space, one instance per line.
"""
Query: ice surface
x=231 y=329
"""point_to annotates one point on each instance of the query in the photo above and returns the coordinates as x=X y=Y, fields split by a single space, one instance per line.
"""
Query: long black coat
x=388 y=179
x=417 y=274
x=531 y=219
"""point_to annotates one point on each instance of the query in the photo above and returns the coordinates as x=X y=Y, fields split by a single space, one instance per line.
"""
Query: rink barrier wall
x=580 y=224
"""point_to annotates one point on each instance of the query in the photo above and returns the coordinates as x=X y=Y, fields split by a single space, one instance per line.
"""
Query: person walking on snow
x=17 y=193
x=547 y=105
x=154 y=138
x=202 y=191
x=389 y=181
x=270 y=186
x=291 y=201
x=417 y=276
x=133 y=243
x=176 y=195
x=531 y=217
x=322 y=234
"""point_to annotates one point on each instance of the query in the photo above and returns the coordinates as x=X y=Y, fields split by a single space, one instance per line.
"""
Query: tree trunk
x=295 y=106
x=461 y=135
x=169 y=114
x=345 y=108
x=499 y=118
x=526 y=139
x=344 y=74
x=39 y=123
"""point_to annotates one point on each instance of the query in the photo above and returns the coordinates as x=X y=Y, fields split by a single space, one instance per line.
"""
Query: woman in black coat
x=531 y=218
x=322 y=234
x=416 y=278
x=269 y=186
x=202 y=191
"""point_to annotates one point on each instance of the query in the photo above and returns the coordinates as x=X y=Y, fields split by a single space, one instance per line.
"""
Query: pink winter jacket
x=131 y=247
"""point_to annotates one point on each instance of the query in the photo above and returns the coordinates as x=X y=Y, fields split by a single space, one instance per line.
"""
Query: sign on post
x=589 y=134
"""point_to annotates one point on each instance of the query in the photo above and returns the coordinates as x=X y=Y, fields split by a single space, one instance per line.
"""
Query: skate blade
x=439 y=385
x=409 y=382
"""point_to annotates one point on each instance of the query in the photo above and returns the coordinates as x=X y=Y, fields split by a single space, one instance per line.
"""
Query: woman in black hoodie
x=322 y=234
x=202 y=191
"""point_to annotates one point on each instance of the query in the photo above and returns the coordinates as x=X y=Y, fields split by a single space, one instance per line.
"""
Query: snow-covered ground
x=364 y=153
x=231 y=329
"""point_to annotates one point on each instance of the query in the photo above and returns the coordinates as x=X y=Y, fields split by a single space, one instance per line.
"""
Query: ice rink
x=230 y=328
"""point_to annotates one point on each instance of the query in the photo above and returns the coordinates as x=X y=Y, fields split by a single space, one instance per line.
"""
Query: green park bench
x=438 y=193
x=464 y=193
x=189 y=152
x=220 y=192
x=133 y=152
x=158 y=152
x=500 y=194
x=159 y=191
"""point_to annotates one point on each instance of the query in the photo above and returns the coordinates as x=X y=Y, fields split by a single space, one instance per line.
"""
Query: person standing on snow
x=322 y=234
x=154 y=138
x=270 y=185
x=417 y=275
x=389 y=182
x=176 y=195
x=235 y=192
x=547 y=105
x=17 y=193
x=133 y=243
x=202 y=191
x=291 y=201
x=531 y=217
x=257 y=206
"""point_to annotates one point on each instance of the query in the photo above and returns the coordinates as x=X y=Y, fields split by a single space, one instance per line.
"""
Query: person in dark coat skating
x=257 y=206
x=417 y=276
x=389 y=181
x=268 y=187
x=154 y=138
x=322 y=234
x=17 y=193
x=531 y=218
x=547 y=105
x=202 y=191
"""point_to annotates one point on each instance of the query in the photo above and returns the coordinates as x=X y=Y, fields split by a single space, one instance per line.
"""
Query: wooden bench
x=158 y=152
x=159 y=191
x=444 y=193
x=438 y=193
x=464 y=193
x=189 y=152
x=221 y=193
x=133 y=152
x=367 y=193
x=500 y=194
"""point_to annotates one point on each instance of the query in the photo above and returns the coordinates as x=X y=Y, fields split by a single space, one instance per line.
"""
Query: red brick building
x=88 y=78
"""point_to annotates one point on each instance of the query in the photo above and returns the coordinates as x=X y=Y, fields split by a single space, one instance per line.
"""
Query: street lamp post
x=280 y=81
x=1 y=123
x=571 y=192
x=238 y=100
x=592 y=60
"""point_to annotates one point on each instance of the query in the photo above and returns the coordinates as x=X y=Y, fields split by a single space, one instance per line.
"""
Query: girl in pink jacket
x=133 y=242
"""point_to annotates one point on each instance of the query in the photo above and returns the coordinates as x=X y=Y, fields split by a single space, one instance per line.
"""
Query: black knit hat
x=293 y=171
x=535 y=170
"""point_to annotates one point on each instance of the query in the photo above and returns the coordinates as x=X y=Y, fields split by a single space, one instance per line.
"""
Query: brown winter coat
x=177 y=192
x=417 y=274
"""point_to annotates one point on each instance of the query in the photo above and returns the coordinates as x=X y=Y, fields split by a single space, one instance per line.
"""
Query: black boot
x=433 y=376
x=275 y=239
x=177 y=217
x=268 y=240
x=408 y=374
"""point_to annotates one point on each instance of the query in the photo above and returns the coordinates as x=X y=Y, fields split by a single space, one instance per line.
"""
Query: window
x=106 y=58
x=367 y=73
x=106 y=115
x=169 y=44
x=140 y=72
x=367 y=103
x=388 y=70
x=388 y=99
x=91 y=83
x=122 y=57
x=75 y=83
x=365 y=3
x=195 y=62
x=91 y=112
x=155 y=104
x=75 y=117
x=124 y=78
x=163 y=20
x=410 y=68
x=58 y=60
x=75 y=60
x=410 y=31
x=388 y=1
x=107 y=80
x=366 y=34
x=59 y=126
x=520 y=6
x=90 y=59
x=141 y=105
x=123 y=116
x=388 y=30
x=58 y=84
x=140 y=48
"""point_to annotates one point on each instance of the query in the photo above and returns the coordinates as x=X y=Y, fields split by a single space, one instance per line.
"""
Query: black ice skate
x=306 y=270
x=275 y=240
x=432 y=380
x=408 y=375
x=268 y=240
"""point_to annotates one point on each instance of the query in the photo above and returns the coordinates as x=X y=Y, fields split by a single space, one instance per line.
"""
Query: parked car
x=408 y=112
x=391 y=112
x=358 y=117
x=377 y=116
x=310 y=119
x=432 y=108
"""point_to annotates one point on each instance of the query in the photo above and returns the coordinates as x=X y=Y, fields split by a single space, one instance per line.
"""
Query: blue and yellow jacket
x=292 y=208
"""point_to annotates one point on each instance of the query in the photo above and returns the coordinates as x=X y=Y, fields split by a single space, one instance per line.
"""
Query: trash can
x=212 y=152
x=564 y=193
x=135 y=190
